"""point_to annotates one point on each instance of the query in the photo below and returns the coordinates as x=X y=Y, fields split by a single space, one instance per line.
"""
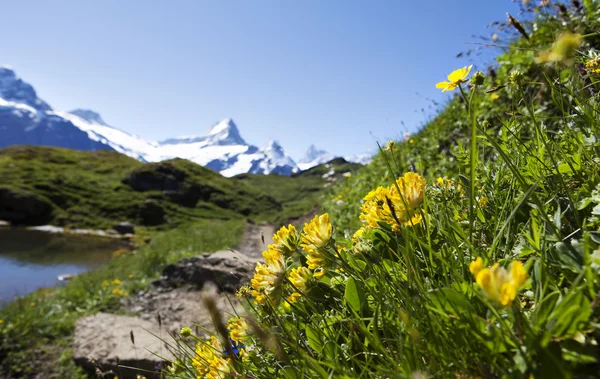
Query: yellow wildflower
x=238 y=329
x=593 y=65
x=300 y=278
x=498 y=284
x=116 y=282
x=563 y=49
x=292 y=299
x=494 y=96
x=105 y=283
x=316 y=259
x=404 y=204
x=482 y=201
x=476 y=266
x=455 y=79
x=358 y=234
x=287 y=239
x=268 y=277
x=209 y=362
x=1 y=321
x=375 y=208
x=242 y=291
x=318 y=231
x=118 y=292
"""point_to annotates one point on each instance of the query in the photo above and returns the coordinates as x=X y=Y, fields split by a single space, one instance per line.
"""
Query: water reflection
x=31 y=259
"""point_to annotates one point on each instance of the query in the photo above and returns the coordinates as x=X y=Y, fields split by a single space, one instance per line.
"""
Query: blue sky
x=338 y=73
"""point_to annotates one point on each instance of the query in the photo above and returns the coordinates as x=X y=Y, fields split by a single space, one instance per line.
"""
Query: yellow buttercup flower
x=455 y=78
x=238 y=329
x=268 y=277
x=498 y=284
x=318 y=231
x=287 y=239
x=208 y=360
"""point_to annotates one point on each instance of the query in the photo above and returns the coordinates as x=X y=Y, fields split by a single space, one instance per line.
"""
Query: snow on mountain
x=223 y=149
x=116 y=139
x=364 y=158
x=314 y=157
x=27 y=119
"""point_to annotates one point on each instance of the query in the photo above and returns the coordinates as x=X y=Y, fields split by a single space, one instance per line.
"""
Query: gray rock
x=4 y=223
x=124 y=228
x=227 y=269
x=103 y=342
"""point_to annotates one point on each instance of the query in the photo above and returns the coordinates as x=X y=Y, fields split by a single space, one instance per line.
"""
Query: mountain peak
x=225 y=132
x=273 y=145
x=89 y=115
x=12 y=88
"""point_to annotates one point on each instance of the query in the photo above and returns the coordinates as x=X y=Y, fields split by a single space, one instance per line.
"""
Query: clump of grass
x=472 y=251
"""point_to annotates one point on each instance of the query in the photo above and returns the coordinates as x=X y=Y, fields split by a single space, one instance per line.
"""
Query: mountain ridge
x=27 y=119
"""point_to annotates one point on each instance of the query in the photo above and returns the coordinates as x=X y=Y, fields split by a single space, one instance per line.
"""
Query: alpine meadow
x=469 y=249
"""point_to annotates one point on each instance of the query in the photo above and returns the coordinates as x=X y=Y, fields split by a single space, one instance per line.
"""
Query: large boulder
x=22 y=207
x=227 y=269
x=103 y=343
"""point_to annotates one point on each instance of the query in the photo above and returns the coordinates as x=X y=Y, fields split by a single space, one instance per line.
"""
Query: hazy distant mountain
x=314 y=157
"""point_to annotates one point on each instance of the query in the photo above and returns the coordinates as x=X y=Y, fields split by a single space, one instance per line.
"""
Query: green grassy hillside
x=95 y=189
x=300 y=193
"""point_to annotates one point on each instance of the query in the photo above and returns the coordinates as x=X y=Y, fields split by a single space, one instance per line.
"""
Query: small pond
x=33 y=259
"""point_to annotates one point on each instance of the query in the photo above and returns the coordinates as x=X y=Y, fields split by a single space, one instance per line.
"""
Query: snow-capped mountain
x=223 y=149
x=314 y=157
x=26 y=119
x=364 y=158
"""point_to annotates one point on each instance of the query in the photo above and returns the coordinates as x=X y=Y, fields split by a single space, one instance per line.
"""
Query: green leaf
x=314 y=339
x=355 y=297
x=450 y=301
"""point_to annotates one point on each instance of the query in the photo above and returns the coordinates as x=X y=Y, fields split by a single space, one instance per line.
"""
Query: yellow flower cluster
x=318 y=232
x=287 y=240
x=268 y=276
x=317 y=235
x=498 y=284
x=238 y=329
x=209 y=362
x=299 y=277
x=593 y=65
x=396 y=205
